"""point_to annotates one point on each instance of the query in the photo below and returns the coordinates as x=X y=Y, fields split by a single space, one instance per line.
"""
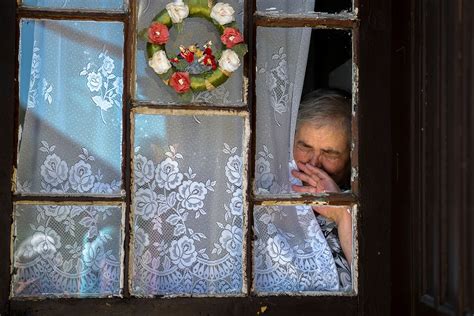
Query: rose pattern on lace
x=46 y=88
x=281 y=264
x=105 y=86
x=265 y=179
x=278 y=83
x=170 y=253
x=68 y=251
x=59 y=177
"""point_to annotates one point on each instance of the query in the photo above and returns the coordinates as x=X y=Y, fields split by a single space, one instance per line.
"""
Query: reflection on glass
x=297 y=249
x=113 y=5
x=188 y=205
x=303 y=143
x=67 y=250
x=149 y=86
x=303 y=6
x=70 y=107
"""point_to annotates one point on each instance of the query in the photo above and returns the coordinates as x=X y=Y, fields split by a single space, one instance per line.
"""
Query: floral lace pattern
x=70 y=138
x=79 y=176
x=291 y=261
x=77 y=4
x=175 y=252
x=67 y=250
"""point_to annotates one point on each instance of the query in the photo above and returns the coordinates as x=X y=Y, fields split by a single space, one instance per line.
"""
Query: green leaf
x=167 y=74
x=240 y=49
x=218 y=54
x=186 y=97
x=181 y=65
x=179 y=27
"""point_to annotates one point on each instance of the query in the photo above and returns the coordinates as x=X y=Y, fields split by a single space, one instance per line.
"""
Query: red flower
x=188 y=55
x=209 y=60
x=158 y=33
x=207 y=51
x=231 y=37
x=180 y=82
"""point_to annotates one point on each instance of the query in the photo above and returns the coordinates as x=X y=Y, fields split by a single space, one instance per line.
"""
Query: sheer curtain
x=290 y=251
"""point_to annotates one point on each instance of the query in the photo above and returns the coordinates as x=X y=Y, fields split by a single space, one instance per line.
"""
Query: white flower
x=81 y=177
x=141 y=241
x=229 y=61
x=108 y=65
x=177 y=11
x=264 y=178
x=192 y=194
x=102 y=103
x=231 y=239
x=144 y=171
x=54 y=170
x=103 y=188
x=46 y=242
x=183 y=252
x=147 y=203
x=94 y=81
x=167 y=174
x=58 y=212
x=223 y=13
x=313 y=228
x=159 y=62
x=233 y=170
x=93 y=254
x=279 y=249
x=236 y=203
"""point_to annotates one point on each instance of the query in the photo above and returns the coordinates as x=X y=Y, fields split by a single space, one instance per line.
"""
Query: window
x=102 y=199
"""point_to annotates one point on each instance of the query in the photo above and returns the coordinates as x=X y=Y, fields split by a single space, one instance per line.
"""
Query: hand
x=315 y=180
x=343 y=220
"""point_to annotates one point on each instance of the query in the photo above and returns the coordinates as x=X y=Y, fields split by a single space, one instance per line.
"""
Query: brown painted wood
x=31 y=13
x=316 y=20
x=329 y=199
x=7 y=95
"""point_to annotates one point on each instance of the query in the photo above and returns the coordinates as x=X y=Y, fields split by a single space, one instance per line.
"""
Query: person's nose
x=316 y=160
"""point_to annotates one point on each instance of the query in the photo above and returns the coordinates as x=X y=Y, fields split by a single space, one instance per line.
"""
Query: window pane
x=67 y=250
x=304 y=6
x=114 y=5
x=294 y=64
x=188 y=204
x=150 y=87
x=70 y=116
x=296 y=251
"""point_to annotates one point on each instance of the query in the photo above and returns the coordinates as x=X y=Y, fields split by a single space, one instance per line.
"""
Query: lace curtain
x=290 y=251
x=188 y=204
x=77 y=4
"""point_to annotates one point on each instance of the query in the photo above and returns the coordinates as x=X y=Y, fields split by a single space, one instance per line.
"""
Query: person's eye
x=303 y=147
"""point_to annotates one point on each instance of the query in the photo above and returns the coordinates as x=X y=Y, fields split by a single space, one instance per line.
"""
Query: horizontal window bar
x=320 y=199
x=45 y=199
x=198 y=108
x=24 y=12
x=316 y=20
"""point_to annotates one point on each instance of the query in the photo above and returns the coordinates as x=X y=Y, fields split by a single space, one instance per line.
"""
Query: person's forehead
x=331 y=134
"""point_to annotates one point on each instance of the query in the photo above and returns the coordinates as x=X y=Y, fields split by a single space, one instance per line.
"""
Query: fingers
x=305 y=178
x=306 y=189
x=312 y=170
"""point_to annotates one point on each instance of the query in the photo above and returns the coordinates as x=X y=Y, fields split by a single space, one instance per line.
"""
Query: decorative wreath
x=211 y=67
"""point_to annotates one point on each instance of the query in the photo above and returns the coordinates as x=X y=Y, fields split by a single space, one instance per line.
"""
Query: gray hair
x=323 y=107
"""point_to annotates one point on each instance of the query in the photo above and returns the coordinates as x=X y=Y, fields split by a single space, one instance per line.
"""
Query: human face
x=325 y=147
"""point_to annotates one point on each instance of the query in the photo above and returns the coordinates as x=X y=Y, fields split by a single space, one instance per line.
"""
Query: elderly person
x=322 y=154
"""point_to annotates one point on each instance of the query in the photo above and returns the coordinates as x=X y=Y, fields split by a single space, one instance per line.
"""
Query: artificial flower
x=180 y=82
x=159 y=62
x=231 y=37
x=229 y=61
x=177 y=11
x=223 y=13
x=158 y=33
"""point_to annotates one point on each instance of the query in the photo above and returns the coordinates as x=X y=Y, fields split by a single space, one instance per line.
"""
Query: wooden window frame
x=371 y=38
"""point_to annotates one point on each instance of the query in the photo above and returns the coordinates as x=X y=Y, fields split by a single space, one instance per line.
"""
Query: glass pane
x=188 y=205
x=198 y=32
x=65 y=250
x=303 y=6
x=298 y=250
x=70 y=107
x=304 y=80
x=112 y=5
